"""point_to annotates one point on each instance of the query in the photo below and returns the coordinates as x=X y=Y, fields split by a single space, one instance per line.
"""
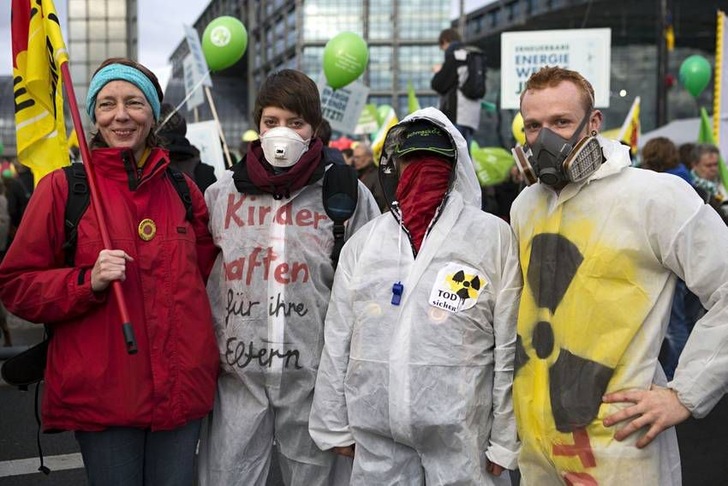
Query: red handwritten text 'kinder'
x=241 y=214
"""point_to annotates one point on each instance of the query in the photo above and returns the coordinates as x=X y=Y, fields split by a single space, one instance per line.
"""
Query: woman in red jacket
x=136 y=416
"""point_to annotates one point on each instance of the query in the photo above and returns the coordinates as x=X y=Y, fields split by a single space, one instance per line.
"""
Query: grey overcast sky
x=160 y=29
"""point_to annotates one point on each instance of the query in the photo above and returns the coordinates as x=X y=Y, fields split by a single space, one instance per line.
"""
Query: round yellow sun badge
x=147 y=229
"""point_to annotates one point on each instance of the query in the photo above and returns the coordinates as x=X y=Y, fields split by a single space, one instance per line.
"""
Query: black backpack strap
x=340 y=194
x=76 y=204
x=183 y=189
x=79 y=198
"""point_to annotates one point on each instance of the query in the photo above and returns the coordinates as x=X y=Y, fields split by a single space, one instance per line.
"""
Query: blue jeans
x=685 y=312
x=123 y=456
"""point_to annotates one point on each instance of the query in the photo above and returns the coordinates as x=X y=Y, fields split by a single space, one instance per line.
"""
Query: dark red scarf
x=260 y=173
x=420 y=190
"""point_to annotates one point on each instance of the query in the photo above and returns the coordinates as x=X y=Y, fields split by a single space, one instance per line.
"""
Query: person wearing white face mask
x=269 y=291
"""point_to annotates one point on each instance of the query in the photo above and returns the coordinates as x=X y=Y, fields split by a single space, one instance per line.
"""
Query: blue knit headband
x=121 y=72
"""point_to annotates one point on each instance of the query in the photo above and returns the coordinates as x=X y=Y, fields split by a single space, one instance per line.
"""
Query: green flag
x=413 y=103
x=705 y=135
x=492 y=164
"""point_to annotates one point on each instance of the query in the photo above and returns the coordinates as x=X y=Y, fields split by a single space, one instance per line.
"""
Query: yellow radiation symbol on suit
x=456 y=288
x=147 y=229
x=464 y=285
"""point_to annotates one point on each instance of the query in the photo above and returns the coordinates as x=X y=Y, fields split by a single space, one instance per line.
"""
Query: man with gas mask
x=601 y=246
x=269 y=290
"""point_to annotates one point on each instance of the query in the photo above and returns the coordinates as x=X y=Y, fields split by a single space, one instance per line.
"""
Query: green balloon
x=492 y=164
x=695 y=72
x=224 y=42
x=345 y=59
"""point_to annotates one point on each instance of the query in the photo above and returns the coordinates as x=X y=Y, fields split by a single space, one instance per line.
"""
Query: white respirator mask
x=283 y=147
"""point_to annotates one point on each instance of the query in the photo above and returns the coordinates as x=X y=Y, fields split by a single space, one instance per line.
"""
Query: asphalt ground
x=703 y=442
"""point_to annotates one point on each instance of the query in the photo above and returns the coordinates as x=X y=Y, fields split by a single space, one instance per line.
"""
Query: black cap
x=423 y=135
x=174 y=133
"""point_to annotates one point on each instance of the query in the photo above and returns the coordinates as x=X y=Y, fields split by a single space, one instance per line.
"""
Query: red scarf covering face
x=263 y=176
x=420 y=191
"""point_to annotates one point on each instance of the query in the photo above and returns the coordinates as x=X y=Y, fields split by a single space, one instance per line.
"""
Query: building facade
x=98 y=30
x=641 y=64
x=402 y=39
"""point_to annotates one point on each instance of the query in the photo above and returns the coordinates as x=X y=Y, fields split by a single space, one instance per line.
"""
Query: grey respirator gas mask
x=554 y=160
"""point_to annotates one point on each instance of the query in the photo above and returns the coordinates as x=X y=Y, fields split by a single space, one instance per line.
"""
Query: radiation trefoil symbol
x=456 y=288
x=465 y=286
x=576 y=383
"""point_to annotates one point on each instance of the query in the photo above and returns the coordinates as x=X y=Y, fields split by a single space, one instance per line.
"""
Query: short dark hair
x=686 y=153
x=449 y=35
x=290 y=90
x=324 y=131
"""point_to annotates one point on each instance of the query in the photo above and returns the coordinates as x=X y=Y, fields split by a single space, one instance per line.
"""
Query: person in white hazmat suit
x=416 y=373
x=601 y=246
x=269 y=290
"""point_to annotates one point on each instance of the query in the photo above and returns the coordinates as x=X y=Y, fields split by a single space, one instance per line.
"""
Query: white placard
x=587 y=51
x=194 y=98
x=200 y=65
x=205 y=137
x=342 y=107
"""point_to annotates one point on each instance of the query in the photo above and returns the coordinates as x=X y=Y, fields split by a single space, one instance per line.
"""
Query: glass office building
x=402 y=39
x=636 y=57
x=97 y=30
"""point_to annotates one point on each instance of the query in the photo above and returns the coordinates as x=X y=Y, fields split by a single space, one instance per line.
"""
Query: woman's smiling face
x=124 y=117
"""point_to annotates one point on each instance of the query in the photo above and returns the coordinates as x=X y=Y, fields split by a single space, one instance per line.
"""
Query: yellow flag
x=631 y=131
x=669 y=33
x=388 y=120
x=38 y=52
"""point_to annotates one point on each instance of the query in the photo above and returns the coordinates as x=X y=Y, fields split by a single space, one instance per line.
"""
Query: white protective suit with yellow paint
x=600 y=260
x=424 y=392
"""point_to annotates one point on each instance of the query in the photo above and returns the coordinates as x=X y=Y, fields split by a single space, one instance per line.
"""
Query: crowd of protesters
x=564 y=338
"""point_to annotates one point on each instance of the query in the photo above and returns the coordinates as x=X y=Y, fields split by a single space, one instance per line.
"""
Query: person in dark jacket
x=182 y=154
x=136 y=416
x=463 y=112
x=363 y=160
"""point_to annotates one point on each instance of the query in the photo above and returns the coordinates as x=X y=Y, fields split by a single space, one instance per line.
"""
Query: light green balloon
x=695 y=72
x=492 y=164
x=224 y=42
x=345 y=59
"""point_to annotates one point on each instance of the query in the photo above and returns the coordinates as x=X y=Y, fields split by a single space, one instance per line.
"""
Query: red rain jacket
x=91 y=381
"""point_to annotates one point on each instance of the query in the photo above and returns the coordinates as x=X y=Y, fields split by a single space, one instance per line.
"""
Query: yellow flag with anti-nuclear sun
x=631 y=130
x=38 y=53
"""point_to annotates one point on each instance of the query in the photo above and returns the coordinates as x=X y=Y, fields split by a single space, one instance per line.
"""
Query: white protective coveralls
x=269 y=290
x=600 y=261
x=423 y=392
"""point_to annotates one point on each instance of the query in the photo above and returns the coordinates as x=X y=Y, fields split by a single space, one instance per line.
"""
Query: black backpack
x=28 y=367
x=474 y=85
x=340 y=195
